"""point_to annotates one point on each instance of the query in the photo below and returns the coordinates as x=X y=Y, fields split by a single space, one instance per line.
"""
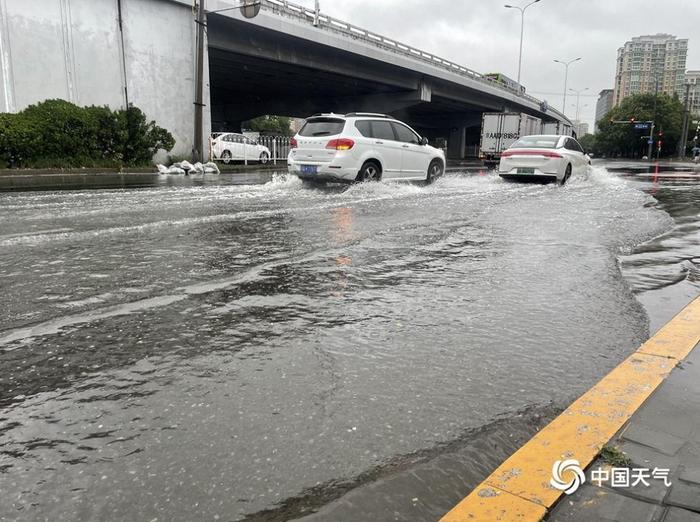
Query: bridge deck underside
x=256 y=71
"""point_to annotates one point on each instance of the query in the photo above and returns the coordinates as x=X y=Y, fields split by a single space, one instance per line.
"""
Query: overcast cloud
x=484 y=36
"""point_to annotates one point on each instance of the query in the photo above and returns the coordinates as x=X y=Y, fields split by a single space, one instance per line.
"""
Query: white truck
x=499 y=130
x=557 y=128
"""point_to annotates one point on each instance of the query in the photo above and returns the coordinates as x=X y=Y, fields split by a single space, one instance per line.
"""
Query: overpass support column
x=456 y=145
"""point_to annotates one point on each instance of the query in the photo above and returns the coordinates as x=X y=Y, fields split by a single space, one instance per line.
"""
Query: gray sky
x=484 y=36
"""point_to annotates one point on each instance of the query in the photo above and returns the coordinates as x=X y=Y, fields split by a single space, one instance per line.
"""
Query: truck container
x=557 y=128
x=499 y=130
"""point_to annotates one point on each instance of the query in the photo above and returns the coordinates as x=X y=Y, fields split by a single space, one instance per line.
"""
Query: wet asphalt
x=245 y=347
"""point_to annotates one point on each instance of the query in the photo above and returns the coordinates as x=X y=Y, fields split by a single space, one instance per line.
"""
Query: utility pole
x=249 y=9
x=686 y=123
x=198 y=143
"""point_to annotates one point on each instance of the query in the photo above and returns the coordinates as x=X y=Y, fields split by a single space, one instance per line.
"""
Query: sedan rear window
x=537 y=142
x=322 y=127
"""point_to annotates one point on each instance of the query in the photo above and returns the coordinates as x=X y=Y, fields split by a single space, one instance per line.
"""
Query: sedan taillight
x=341 y=144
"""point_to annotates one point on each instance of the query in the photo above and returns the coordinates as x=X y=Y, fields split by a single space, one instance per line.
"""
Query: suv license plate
x=309 y=169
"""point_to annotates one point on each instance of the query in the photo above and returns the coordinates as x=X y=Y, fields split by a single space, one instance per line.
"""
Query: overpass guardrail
x=290 y=9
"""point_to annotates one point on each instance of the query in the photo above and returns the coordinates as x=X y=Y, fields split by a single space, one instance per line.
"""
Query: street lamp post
x=579 y=109
x=578 y=121
x=650 y=152
x=522 y=31
x=578 y=100
x=686 y=123
x=566 y=77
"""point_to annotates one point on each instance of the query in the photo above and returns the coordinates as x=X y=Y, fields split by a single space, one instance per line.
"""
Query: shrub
x=56 y=133
x=142 y=139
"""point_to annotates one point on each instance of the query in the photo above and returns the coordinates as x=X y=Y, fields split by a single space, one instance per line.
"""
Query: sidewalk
x=664 y=433
x=103 y=178
x=643 y=416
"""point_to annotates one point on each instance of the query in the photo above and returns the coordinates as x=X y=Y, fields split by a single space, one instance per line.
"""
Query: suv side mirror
x=424 y=141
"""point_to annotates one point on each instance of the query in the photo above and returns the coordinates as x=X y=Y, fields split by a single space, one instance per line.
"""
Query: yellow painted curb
x=491 y=504
x=519 y=489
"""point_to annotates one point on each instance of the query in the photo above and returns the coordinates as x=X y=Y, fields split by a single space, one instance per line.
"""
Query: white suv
x=362 y=147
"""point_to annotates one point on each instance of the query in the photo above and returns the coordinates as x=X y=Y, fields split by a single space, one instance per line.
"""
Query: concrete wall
x=72 y=49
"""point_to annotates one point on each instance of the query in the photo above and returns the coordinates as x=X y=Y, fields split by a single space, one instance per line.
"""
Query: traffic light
x=633 y=120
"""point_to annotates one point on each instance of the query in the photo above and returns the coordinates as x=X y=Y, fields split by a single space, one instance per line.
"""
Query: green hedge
x=57 y=133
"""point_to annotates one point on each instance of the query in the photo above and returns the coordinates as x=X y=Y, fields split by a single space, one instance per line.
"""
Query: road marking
x=519 y=489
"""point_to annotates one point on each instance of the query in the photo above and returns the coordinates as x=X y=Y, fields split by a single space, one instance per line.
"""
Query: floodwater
x=197 y=351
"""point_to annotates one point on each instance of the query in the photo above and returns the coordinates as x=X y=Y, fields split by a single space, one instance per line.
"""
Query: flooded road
x=207 y=350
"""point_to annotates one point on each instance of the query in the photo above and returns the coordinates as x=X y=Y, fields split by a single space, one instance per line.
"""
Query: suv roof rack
x=327 y=114
x=367 y=115
x=352 y=115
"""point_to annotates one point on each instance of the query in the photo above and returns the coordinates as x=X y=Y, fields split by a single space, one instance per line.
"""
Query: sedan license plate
x=526 y=171
x=309 y=169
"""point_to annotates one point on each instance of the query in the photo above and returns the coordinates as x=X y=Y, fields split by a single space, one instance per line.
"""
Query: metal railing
x=325 y=22
x=279 y=147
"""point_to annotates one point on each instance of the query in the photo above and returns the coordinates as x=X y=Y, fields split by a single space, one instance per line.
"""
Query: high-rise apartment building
x=693 y=78
x=646 y=62
x=604 y=104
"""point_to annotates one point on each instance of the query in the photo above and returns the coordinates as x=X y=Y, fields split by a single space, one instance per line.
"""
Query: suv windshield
x=538 y=142
x=322 y=127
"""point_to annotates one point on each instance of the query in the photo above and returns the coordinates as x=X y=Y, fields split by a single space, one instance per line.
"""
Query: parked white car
x=361 y=147
x=549 y=158
x=231 y=146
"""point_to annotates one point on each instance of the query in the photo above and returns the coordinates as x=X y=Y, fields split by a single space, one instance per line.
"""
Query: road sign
x=650 y=141
x=641 y=126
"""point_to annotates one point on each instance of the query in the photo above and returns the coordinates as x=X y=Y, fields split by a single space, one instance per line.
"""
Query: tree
x=626 y=140
x=588 y=142
x=278 y=125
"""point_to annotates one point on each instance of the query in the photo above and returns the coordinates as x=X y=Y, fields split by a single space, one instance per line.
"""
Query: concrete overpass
x=142 y=51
